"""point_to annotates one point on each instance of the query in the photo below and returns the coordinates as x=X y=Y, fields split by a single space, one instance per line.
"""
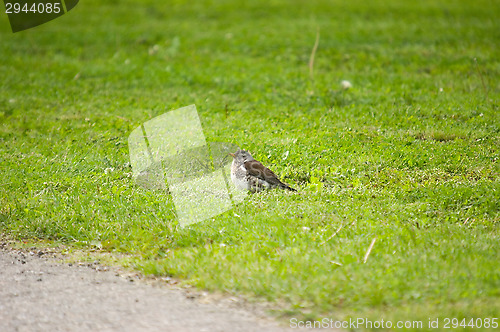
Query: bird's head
x=242 y=156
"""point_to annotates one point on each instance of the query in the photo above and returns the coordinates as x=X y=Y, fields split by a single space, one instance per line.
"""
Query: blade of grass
x=313 y=54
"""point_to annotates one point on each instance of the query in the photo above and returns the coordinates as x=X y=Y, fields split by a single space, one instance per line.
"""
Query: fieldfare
x=249 y=174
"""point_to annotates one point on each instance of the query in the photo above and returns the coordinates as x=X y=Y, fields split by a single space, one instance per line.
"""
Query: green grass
x=409 y=155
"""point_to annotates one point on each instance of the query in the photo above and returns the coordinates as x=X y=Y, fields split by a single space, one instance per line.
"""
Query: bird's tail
x=287 y=187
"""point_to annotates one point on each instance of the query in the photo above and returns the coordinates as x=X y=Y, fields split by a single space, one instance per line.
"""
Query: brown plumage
x=249 y=174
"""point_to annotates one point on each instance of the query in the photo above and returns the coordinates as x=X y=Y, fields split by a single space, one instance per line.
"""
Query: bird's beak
x=231 y=154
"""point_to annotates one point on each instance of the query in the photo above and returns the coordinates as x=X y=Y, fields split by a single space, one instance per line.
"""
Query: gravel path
x=40 y=293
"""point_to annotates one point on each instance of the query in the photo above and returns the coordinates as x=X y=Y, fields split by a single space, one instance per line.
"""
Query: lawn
x=408 y=157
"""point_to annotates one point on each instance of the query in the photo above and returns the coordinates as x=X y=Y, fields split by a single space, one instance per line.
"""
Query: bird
x=249 y=174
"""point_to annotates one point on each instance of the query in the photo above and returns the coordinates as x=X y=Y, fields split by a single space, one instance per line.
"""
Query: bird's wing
x=258 y=170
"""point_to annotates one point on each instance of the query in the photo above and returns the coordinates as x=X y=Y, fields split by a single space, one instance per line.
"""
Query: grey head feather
x=243 y=156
